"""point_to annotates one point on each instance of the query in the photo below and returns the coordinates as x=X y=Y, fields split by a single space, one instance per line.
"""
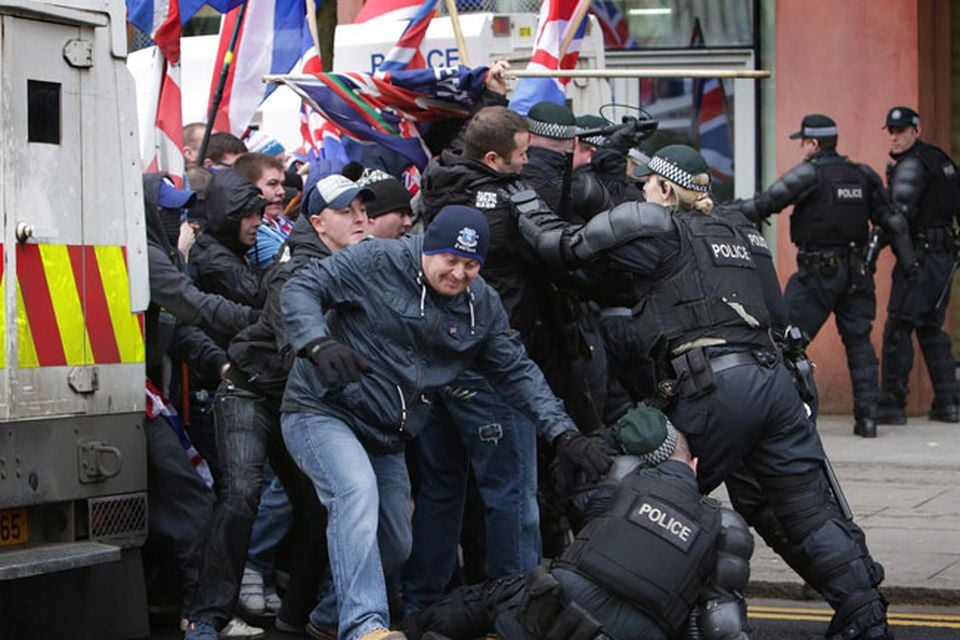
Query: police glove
x=576 y=451
x=338 y=363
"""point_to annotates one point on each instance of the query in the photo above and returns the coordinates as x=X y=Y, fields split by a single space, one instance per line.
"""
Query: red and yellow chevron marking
x=73 y=307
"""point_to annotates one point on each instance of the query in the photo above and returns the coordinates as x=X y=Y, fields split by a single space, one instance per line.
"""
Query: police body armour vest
x=941 y=198
x=837 y=212
x=715 y=293
x=653 y=547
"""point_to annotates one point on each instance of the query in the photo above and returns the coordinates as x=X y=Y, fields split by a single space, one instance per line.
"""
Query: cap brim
x=173 y=198
x=348 y=196
x=642 y=171
x=796 y=136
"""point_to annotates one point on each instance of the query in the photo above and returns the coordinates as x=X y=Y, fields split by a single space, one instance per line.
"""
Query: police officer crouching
x=656 y=559
x=835 y=201
x=925 y=187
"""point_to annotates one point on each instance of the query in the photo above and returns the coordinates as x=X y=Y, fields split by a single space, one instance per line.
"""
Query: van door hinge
x=78 y=53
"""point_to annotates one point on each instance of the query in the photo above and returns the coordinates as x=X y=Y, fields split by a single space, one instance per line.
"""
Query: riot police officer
x=703 y=310
x=835 y=201
x=923 y=185
x=656 y=559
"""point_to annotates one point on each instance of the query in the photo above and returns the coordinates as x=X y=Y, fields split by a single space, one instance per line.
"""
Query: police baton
x=945 y=292
x=836 y=489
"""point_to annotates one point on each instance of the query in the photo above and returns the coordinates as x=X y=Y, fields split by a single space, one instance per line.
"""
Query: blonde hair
x=697 y=200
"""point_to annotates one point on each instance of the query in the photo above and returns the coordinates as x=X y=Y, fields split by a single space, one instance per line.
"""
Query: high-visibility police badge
x=467 y=240
x=485 y=200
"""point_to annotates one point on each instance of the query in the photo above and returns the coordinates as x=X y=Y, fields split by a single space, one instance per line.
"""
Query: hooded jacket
x=512 y=267
x=220 y=260
x=414 y=339
x=261 y=355
x=173 y=292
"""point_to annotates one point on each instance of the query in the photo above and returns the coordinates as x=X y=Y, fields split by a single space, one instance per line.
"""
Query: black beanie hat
x=459 y=230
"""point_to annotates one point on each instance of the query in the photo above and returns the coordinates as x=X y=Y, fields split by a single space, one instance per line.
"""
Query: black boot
x=865 y=427
x=944 y=412
x=890 y=414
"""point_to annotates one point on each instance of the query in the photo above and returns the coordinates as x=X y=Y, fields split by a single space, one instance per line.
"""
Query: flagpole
x=221 y=82
x=659 y=72
x=312 y=23
x=457 y=31
x=574 y=26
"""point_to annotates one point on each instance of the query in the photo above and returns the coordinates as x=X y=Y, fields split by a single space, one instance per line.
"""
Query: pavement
x=904 y=489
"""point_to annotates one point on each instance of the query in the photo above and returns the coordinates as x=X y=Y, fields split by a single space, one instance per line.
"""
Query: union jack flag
x=616 y=31
x=385 y=108
x=406 y=53
x=157 y=405
x=710 y=125
x=555 y=24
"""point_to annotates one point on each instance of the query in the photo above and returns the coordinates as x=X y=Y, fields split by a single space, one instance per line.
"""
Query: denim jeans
x=273 y=523
x=368 y=500
x=248 y=431
x=470 y=422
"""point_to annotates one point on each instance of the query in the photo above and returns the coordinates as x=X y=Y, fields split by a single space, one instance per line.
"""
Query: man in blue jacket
x=411 y=315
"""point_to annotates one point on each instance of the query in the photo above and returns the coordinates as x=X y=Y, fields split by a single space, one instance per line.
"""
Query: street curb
x=894 y=594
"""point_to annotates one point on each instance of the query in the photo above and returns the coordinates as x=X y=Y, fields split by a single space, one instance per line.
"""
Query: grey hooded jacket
x=415 y=340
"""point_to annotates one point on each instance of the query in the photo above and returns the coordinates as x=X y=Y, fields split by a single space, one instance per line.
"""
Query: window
x=43 y=112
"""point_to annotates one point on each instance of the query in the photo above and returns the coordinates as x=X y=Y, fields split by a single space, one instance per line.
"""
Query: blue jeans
x=368 y=500
x=470 y=422
x=273 y=523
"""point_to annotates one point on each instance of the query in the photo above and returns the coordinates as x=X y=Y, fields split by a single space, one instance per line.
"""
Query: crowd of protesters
x=400 y=393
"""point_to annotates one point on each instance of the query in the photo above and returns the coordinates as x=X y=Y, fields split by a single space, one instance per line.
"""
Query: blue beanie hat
x=459 y=230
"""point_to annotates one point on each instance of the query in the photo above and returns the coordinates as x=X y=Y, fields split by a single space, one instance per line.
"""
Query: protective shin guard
x=897 y=362
x=935 y=345
x=863 y=365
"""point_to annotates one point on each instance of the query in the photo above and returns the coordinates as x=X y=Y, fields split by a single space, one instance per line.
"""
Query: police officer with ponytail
x=723 y=382
x=835 y=202
x=925 y=187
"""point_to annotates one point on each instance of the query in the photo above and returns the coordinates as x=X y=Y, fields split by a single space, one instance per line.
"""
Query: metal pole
x=221 y=82
x=659 y=72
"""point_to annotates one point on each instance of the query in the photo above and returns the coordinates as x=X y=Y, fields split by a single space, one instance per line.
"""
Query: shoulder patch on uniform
x=949 y=170
x=485 y=200
x=665 y=521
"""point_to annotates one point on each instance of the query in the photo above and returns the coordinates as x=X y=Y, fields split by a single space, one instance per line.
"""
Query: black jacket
x=511 y=267
x=544 y=173
x=260 y=355
x=177 y=308
x=219 y=260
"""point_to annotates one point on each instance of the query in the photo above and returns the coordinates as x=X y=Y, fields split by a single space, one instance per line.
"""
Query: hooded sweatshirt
x=218 y=257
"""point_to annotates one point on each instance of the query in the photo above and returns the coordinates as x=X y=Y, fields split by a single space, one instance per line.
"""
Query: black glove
x=338 y=363
x=577 y=452
x=524 y=202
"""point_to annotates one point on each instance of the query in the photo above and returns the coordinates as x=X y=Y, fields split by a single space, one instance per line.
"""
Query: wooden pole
x=574 y=25
x=458 y=32
x=312 y=23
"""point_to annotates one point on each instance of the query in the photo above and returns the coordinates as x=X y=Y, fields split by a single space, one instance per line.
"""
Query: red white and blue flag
x=385 y=108
x=555 y=24
x=161 y=137
x=710 y=125
x=190 y=7
x=387 y=10
x=157 y=405
x=616 y=31
x=406 y=53
x=269 y=42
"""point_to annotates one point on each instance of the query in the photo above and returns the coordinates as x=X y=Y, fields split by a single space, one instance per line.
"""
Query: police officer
x=656 y=560
x=703 y=308
x=924 y=187
x=834 y=201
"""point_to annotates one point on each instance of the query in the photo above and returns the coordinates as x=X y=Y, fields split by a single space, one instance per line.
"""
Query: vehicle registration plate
x=13 y=526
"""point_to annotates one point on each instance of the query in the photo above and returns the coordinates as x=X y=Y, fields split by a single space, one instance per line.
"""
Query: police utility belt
x=934 y=240
x=694 y=370
x=828 y=261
